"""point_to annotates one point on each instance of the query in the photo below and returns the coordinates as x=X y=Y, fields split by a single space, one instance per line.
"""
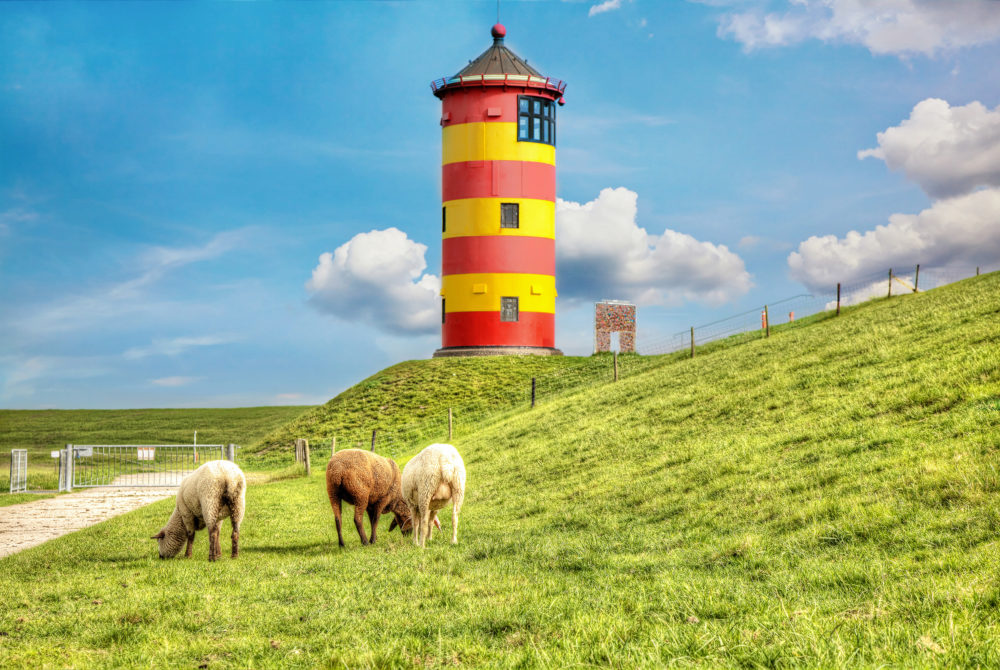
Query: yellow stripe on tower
x=481 y=216
x=482 y=292
x=495 y=141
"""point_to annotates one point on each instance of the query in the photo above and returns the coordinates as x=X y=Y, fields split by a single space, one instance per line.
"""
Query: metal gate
x=135 y=465
x=18 y=470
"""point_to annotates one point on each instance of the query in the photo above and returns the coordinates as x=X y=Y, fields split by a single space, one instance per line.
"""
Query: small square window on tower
x=510 y=215
x=508 y=309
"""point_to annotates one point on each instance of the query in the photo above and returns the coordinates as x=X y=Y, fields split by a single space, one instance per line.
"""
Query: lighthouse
x=498 y=192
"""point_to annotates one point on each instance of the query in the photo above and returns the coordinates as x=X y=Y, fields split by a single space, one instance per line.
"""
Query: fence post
x=449 y=424
x=692 y=341
x=305 y=456
x=977 y=270
x=767 y=323
x=890 y=283
x=374 y=431
x=532 y=391
x=231 y=452
x=916 y=278
x=616 y=365
x=66 y=476
x=838 y=298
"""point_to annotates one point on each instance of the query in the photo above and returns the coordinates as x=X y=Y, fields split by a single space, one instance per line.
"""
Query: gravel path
x=30 y=524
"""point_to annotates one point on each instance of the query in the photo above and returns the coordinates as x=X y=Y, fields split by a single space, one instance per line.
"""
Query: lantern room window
x=536 y=120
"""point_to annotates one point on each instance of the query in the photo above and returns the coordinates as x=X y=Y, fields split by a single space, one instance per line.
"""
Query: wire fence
x=754 y=323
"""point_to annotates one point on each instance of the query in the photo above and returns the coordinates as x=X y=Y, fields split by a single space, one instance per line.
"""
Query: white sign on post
x=54 y=454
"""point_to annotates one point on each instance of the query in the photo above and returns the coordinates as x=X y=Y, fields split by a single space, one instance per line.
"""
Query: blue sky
x=172 y=175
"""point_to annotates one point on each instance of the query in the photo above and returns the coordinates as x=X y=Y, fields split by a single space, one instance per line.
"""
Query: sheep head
x=171 y=538
x=401 y=516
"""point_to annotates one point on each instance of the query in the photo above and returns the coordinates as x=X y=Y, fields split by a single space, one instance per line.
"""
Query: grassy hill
x=408 y=403
x=827 y=497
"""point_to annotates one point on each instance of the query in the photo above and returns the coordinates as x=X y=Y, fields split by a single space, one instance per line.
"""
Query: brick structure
x=614 y=316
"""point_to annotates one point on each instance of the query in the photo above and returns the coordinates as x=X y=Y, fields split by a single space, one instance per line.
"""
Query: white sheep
x=208 y=495
x=432 y=478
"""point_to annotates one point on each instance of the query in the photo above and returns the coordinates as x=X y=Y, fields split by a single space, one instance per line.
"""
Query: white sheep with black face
x=431 y=479
x=208 y=495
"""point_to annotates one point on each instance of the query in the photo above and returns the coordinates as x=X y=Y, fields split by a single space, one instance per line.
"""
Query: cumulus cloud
x=606 y=6
x=900 y=27
x=964 y=229
x=378 y=278
x=953 y=153
x=602 y=252
x=946 y=150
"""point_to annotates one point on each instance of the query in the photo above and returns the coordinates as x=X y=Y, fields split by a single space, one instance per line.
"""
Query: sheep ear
x=392 y=525
x=159 y=536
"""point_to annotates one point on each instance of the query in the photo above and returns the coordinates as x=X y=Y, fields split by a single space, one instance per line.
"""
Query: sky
x=222 y=205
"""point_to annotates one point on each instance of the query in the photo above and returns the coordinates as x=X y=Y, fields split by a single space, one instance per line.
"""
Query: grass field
x=42 y=431
x=827 y=497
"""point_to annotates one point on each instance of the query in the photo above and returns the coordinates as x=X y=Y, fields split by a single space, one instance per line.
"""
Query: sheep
x=370 y=483
x=214 y=491
x=432 y=478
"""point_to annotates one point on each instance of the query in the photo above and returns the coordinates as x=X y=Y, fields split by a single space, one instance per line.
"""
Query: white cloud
x=946 y=150
x=17 y=215
x=20 y=375
x=376 y=278
x=900 y=27
x=960 y=230
x=127 y=298
x=606 y=6
x=601 y=252
x=173 y=381
x=175 y=346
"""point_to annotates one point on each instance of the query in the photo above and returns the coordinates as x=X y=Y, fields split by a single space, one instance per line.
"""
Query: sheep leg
x=190 y=545
x=415 y=520
x=425 y=526
x=235 y=519
x=359 y=520
x=335 y=502
x=456 y=506
x=214 y=549
x=373 y=517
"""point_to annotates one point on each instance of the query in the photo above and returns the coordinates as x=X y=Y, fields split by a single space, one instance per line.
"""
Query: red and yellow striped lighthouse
x=498 y=174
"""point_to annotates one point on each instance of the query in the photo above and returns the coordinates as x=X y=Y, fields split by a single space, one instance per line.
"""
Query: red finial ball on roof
x=498 y=31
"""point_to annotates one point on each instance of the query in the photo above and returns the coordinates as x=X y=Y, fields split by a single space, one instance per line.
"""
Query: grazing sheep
x=208 y=495
x=370 y=483
x=432 y=478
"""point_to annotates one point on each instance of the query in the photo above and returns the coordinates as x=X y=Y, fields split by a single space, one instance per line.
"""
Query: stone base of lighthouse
x=446 y=352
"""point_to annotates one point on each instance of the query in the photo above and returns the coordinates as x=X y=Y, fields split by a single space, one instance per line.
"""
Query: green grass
x=408 y=403
x=43 y=431
x=826 y=497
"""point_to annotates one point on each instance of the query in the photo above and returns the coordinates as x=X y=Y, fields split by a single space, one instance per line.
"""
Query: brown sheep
x=369 y=482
